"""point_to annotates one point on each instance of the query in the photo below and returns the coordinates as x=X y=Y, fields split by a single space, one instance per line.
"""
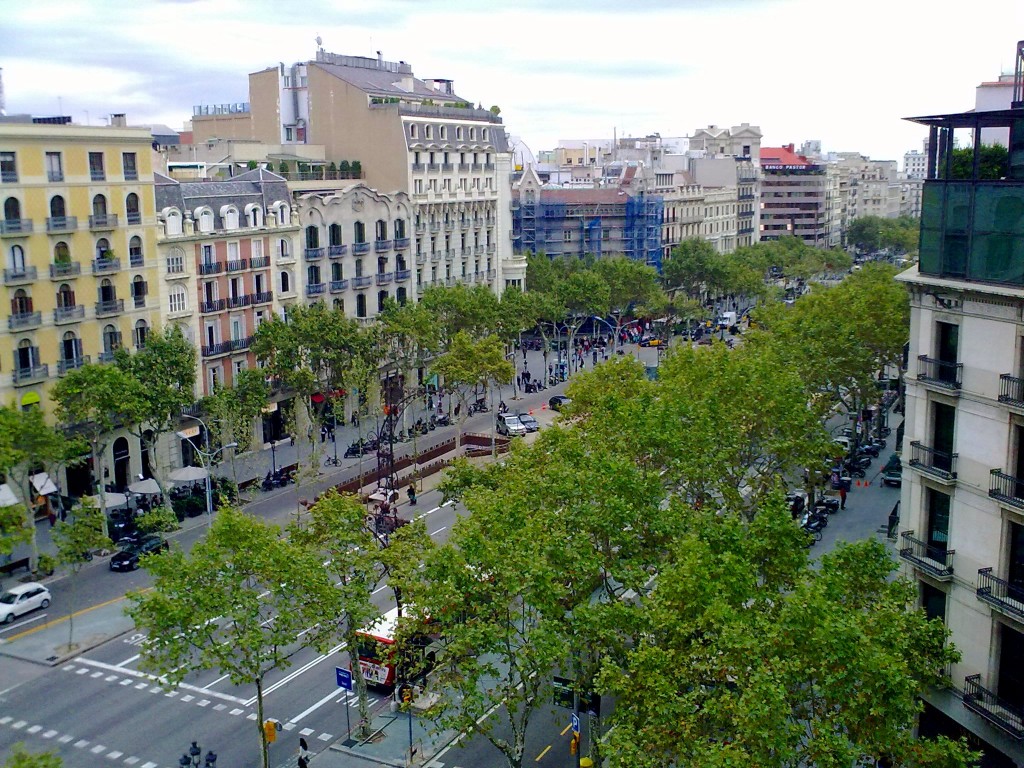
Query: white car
x=22 y=599
x=510 y=425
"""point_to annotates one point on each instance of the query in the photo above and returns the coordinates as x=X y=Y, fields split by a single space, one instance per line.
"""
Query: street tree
x=750 y=656
x=77 y=538
x=633 y=288
x=472 y=310
x=336 y=528
x=230 y=411
x=541 y=273
x=241 y=602
x=693 y=267
x=584 y=294
x=95 y=400
x=469 y=363
x=19 y=757
x=165 y=372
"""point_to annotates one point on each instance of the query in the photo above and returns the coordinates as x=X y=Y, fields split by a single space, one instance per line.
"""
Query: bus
x=385 y=663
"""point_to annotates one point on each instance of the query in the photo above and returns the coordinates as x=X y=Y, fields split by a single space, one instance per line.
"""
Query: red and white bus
x=384 y=662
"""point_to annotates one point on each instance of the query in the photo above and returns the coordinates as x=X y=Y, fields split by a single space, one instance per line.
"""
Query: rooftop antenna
x=1018 y=79
x=319 y=43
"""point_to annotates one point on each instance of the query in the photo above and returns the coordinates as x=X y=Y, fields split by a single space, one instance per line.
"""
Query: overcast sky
x=842 y=71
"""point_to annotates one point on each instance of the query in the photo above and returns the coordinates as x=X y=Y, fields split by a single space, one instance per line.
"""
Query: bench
x=13 y=565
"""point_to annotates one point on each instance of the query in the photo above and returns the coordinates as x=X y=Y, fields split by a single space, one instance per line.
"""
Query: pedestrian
x=842 y=496
x=595 y=355
x=303 y=753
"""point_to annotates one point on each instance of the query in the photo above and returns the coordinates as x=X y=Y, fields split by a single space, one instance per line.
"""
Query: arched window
x=339 y=304
x=458 y=132
x=27 y=356
x=428 y=131
x=382 y=296
x=107 y=290
x=443 y=131
x=65 y=297
x=61 y=253
x=313 y=275
x=229 y=216
x=99 y=206
x=21 y=304
x=111 y=339
x=283 y=249
x=16 y=260
x=177 y=299
x=139 y=291
x=12 y=209
x=359 y=232
x=312 y=237
x=286 y=282
x=57 y=208
x=205 y=220
x=172 y=225
x=70 y=349
x=254 y=215
x=382 y=229
x=175 y=261
x=337 y=273
x=359 y=267
x=103 y=248
x=334 y=234
x=141 y=332
x=131 y=207
x=135 y=251
x=412 y=131
x=361 y=305
x=472 y=134
x=284 y=215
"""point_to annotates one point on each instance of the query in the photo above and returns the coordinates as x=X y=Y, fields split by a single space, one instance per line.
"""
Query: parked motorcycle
x=444 y=420
x=827 y=504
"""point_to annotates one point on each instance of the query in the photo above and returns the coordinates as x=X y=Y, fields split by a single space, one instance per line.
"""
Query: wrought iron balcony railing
x=1001 y=594
x=939 y=372
x=940 y=464
x=937 y=561
x=1001 y=713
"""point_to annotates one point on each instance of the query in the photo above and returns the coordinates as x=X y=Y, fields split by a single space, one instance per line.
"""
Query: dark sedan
x=529 y=422
x=558 y=402
x=128 y=558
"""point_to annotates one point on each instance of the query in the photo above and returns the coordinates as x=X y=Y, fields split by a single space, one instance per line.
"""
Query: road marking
x=288 y=678
x=565 y=730
x=127 y=661
x=97 y=749
x=380 y=589
x=325 y=736
x=114 y=754
x=187 y=698
x=82 y=743
x=49 y=734
x=34 y=729
x=203 y=703
x=23 y=623
x=149 y=765
x=127 y=681
x=305 y=731
x=82 y=671
x=219 y=707
x=144 y=676
x=251 y=716
x=236 y=711
x=19 y=725
x=65 y=739
x=313 y=708
x=110 y=678
x=171 y=694
x=55 y=622
x=219 y=679
x=131 y=760
x=289 y=726
x=140 y=686
x=94 y=675
x=5 y=720
x=546 y=749
x=442 y=528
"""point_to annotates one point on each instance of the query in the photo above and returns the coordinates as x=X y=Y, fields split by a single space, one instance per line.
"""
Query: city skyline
x=586 y=70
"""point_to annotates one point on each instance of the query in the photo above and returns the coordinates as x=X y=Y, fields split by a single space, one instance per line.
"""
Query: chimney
x=380 y=59
x=789 y=146
x=119 y=120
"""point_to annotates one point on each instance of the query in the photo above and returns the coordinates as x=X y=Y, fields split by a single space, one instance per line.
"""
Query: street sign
x=188 y=432
x=575 y=724
x=344 y=677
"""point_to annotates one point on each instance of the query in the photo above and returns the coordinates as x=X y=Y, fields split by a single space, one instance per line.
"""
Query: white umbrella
x=147 y=486
x=188 y=474
x=112 y=499
x=43 y=484
x=7 y=497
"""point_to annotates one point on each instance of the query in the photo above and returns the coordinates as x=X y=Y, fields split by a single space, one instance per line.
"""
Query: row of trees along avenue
x=641 y=548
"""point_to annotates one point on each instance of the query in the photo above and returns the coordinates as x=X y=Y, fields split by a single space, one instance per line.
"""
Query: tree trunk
x=363 y=729
x=71 y=610
x=264 y=747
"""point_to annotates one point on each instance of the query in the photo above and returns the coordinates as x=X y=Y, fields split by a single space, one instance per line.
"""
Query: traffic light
x=270 y=731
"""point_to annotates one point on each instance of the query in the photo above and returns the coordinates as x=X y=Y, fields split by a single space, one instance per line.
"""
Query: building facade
x=794 y=197
x=962 y=504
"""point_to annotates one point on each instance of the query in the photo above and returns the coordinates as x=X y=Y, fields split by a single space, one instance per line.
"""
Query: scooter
x=355 y=450
x=444 y=420
x=826 y=504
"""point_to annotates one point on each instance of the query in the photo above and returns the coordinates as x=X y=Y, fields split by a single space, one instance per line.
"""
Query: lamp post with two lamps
x=206 y=457
x=193 y=758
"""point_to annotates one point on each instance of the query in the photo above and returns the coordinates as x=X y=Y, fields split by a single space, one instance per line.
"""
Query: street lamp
x=193 y=758
x=206 y=457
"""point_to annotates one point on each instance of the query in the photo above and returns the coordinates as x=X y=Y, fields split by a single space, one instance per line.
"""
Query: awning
x=30 y=398
x=43 y=484
x=317 y=397
x=7 y=497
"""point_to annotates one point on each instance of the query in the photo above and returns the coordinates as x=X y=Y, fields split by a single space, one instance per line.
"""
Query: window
x=337 y=271
x=21 y=304
x=943 y=423
x=12 y=209
x=172 y=222
x=107 y=291
x=937 y=524
x=359 y=232
x=70 y=347
x=428 y=132
x=313 y=275
x=567 y=236
x=472 y=134
x=443 y=131
x=131 y=168
x=256 y=249
x=96 y=171
x=139 y=291
x=8 y=169
x=111 y=338
x=65 y=297
x=131 y=208
x=103 y=249
x=283 y=251
x=412 y=131
x=175 y=261
x=312 y=237
x=458 y=135
x=57 y=207
x=205 y=220
x=135 y=251
x=359 y=267
x=947 y=342
x=334 y=234
x=229 y=215
x=16 y=259
x=177 y=299
x=286 y=282
x=933 y=601
x=61 y=253
x=1011 y=666
x=361 y=305
x=141 y=332
x=99 y=207
x=382 y=229
x=54 y=167
x=483 y=134
x=382 y=297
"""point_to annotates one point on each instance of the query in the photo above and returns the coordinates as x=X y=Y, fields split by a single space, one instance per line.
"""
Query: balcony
x=134 y=217
x=337 y=286
x=1002 y=714
x=262 y=297
x=196 y=409
x=417 y=167
x=939 y=373
x=237 y=265
x=69 y=314
x=21 y=321
x=109 y=307
x=71 y=364
x=381 y=245
x=61 y=223
x=216 y=305
x=107 y=357
x=401 y=243
x=435 y=226
x=211 y=267
x=401 y=275
x=745 y=231
x=259 y=262
x=361 y=282
x=97 y=174
x=491 y=274
x=490 y=248
x=104 y=266
x=449 y=226
x=21 y=275
x=236 y=302
x=938 y=464
x=358 y=248
x=420 y=228
x=336 y=251
x=136 y=260
x=220 y=348
x=1006 y=489
x=316 y=289
x=23 y=376
x=314 y=254
x=385 y=278
x=9 y=177
x=421 y=258
x=434 y=167
x=131 y=174
x=937 y=562
x=464 y=167
x=15 y=227
x=477 y=167
x=447 y=167
x=238 y=345
x=103 y=221
x=1000 y=594
x=61 y=269
x=1011 y=390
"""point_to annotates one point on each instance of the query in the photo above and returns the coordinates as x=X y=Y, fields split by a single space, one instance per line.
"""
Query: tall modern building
x=962 y=520
x=410 y=135
x=795 y=198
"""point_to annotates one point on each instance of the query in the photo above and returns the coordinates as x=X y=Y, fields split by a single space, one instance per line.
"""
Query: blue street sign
x=344 y=678
x=575 y=724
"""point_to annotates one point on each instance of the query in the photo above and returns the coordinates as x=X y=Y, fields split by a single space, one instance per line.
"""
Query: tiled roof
x=782 y=156
x=381 y=82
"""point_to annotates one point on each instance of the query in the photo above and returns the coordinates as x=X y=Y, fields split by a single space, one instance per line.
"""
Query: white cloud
x=841 y=72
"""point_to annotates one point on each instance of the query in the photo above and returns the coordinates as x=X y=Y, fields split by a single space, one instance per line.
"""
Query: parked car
x=558 y=402
x=121 y=525
x=509 y=424
x=892 y=472
x=21 y=599
x=128 y=558
x=529 y=422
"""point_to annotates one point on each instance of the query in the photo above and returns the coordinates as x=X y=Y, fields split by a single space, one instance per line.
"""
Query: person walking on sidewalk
x=842 y=496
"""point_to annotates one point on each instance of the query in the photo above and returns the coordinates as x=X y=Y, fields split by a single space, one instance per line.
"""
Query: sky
x=840 y=71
